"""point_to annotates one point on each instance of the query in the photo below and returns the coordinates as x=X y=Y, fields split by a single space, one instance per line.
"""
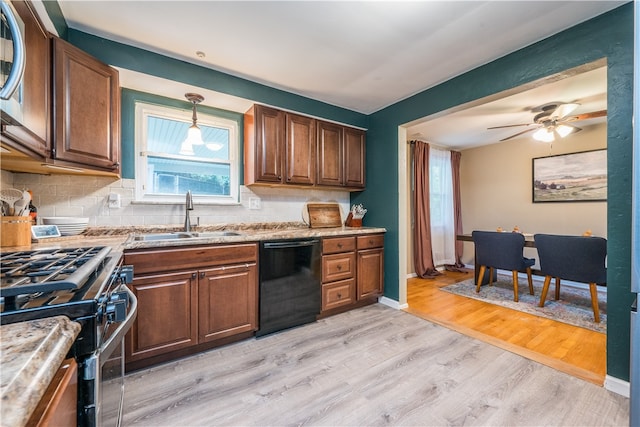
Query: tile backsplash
x=87 y=196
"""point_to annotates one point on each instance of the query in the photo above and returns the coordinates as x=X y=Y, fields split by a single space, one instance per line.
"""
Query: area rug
x=573 y=307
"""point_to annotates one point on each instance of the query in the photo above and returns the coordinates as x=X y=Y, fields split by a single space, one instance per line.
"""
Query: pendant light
x=194 y=134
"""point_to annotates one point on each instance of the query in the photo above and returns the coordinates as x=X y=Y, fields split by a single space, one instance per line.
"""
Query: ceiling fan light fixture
x=186 y=149
x=215 y=146
x=564 y=130
x=565 y=109
x=544 y=135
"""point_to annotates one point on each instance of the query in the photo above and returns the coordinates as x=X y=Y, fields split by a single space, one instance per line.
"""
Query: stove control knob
x=116 y=310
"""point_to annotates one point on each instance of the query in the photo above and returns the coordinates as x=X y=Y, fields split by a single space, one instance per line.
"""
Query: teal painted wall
x=609 y=35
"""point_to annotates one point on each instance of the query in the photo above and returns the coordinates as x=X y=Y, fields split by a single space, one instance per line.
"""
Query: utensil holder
x=15 y=231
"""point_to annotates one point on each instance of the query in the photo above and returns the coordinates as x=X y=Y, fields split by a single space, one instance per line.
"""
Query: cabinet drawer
x=338 y=267
x=337 y=294
x=156 y=260
x=338 y=244
x=370 y=241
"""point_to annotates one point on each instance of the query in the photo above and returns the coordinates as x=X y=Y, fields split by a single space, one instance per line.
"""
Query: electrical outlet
x=254 y=203
x=114 y=200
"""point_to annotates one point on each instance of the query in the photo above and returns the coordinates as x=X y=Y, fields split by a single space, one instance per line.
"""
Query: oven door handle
x=114 y=340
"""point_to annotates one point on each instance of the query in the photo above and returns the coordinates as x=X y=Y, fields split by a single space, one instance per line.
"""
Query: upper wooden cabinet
x=30 y=134
x=70 y=109
x=87 y=109
x=283 y=148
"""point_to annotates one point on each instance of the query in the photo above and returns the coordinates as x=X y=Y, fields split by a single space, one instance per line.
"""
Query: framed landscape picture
x=575 y=177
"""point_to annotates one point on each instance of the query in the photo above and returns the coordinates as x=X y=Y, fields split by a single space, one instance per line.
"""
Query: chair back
x=577 y=258
x=499 y=250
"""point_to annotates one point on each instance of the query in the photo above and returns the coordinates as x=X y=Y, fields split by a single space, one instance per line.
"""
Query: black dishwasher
x=290 y=284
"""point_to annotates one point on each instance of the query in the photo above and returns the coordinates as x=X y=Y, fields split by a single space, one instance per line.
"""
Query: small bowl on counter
x=68 y=226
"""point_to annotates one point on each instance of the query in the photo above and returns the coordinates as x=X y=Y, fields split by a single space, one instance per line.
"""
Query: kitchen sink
x=184 y=235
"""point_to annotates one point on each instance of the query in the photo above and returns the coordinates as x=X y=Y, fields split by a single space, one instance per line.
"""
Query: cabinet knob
x=339 y=296
x=194 y=275
x=202 y=274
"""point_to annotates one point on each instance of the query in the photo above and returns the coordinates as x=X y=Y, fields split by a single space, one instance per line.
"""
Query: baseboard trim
x=618 y=386
x=392 y=303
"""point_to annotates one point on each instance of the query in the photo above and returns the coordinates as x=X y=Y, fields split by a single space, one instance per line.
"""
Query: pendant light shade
x=194 y=134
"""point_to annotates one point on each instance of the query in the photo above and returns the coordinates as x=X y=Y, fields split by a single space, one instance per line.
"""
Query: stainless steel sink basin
x=184 y=235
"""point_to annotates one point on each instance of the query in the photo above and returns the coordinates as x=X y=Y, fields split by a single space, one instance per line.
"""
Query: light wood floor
x=576 y=351
x=374 y=366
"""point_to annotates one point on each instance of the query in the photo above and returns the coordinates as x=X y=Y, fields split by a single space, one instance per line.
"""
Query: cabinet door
x=269 y=144
x=370 y=275
x=300 y=149
x=228 y=301
x=32 y=132
x=167 y=315
x=354 y=157
x=330 y=156
x=87 y=105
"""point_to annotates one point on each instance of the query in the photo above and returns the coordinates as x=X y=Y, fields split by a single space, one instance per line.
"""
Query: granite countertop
x=124 y=238
x=30 y=354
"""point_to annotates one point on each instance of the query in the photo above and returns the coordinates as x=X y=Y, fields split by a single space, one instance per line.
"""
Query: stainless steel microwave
x=12 y=61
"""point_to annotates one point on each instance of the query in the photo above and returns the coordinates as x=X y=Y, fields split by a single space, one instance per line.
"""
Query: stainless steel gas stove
x=88 y=285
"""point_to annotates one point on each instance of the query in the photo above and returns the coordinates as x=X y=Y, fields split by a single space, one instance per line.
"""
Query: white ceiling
x=360 y=55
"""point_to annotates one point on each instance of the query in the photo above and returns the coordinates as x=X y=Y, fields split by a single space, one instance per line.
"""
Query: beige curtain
x=422 y=255
x=457 y=209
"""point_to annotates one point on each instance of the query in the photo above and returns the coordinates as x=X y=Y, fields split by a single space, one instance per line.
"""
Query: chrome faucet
x=188 y=206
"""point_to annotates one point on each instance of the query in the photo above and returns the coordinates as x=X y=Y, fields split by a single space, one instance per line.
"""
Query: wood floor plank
x=574 y=350
x=372 y=366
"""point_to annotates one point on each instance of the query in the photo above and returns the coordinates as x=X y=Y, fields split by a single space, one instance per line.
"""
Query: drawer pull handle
x=371 y=242
x=339 y=267
x=340 y=245
x=339 y=295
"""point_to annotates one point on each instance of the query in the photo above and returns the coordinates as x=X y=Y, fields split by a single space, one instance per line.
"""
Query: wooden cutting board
x=324 y=215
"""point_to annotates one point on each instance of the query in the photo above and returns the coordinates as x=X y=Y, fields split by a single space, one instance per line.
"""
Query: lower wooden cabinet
x=184 y=311
x=167 y=314
x=227 y=301
x=370 y=265
x=59 y=404
x=352 y=271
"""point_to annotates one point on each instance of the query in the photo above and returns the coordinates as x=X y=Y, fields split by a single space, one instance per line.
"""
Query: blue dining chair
x=503 y=251
x=576 y=258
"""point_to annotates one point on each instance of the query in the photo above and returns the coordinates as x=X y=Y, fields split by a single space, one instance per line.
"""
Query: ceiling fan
x=552 y=120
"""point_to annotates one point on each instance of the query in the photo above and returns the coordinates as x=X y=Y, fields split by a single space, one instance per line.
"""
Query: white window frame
x=142 y=111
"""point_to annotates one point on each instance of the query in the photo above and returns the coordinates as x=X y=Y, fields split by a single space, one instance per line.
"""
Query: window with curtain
x=441 y=201
x=164 y=174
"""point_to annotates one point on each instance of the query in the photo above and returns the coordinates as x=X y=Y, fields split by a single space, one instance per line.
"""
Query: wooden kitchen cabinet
x=370 y=265
x=300 y=150
x=190 y=299
x=59 y=404
x=167 y=314
x=352 y=272
x=280 y=147
x=228 y=301
x=338 y=273
x=31 y=135
x=283 y=148
x=86 y=98
x=341 y=156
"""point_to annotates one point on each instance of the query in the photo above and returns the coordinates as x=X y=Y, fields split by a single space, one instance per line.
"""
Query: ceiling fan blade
x=563 y=110
x=510 y=126
x=517 y=134
x=585 y=116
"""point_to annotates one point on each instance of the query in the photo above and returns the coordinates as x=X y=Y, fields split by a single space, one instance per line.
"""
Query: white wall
x=496 y=183
x=86 y=196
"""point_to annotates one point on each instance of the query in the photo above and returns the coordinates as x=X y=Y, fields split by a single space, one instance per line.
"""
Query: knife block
x=15 y=231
